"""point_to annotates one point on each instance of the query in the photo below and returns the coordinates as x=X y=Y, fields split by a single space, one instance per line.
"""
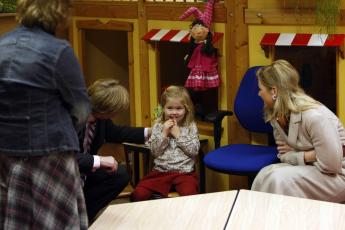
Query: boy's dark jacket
x=106 y=132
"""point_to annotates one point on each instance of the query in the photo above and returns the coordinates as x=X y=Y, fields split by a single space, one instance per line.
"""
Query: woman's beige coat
x=318 y=129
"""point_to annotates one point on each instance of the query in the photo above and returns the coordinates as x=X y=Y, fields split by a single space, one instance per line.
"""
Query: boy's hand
x=149 y=132
x=109 y=163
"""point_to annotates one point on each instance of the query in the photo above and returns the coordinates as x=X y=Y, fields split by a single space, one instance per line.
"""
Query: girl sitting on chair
x=174 y=144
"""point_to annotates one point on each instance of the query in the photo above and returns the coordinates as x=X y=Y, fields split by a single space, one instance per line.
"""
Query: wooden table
x=257 y=210
x=230 y=210
x=204 y=211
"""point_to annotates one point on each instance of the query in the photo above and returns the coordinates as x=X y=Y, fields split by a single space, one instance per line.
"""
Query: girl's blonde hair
x=180 y=93
x=107 y=96
x=45 y=13
x=290 y=96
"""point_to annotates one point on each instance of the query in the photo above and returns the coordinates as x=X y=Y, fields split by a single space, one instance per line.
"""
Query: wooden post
x=7 y=22
x=144 y=66
x=238 y=62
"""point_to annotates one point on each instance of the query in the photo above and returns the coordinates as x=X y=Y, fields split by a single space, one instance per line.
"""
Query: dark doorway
x=106 y=56
x=317 y=68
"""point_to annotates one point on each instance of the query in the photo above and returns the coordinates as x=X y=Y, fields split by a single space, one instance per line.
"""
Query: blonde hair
x=107 y=96
x=290 y=96
x=180 y=93
x=46 y=13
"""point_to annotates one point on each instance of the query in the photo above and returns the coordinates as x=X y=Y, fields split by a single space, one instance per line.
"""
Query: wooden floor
x=120 y=201
x=126 y=192
x=116 y=150
x=122 y=198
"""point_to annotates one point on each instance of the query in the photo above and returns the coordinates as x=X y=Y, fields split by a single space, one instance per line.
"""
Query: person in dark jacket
x=103 y=178
x=43 y=104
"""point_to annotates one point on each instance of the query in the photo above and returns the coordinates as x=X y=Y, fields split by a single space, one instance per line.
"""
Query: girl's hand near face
x=175 y=130
x=283 y=147
x=168 y=124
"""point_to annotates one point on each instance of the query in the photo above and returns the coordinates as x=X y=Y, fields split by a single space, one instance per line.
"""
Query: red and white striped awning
x=168 y=35
x=293 y=39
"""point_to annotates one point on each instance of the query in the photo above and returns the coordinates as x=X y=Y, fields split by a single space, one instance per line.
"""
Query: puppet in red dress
x=203 y=57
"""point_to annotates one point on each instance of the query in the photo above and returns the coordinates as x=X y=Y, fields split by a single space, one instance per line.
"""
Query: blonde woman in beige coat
x=310 y=139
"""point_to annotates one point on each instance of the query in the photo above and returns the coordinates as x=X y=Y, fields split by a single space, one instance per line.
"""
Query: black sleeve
x=85 y=162
x=118 y=134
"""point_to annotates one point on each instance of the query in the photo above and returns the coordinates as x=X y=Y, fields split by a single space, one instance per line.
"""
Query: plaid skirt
x=41 y=193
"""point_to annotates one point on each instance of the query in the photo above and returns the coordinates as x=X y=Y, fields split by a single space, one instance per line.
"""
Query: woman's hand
x=282 y=147
x=309 y=156
x=168 y=124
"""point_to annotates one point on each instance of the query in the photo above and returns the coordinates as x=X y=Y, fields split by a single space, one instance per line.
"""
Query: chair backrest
x=248 y=105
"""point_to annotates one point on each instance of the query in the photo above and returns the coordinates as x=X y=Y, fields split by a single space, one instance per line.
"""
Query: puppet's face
x=199 y=32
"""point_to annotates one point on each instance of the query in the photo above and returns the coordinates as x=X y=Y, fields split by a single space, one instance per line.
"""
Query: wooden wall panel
x=7 y=22
x=172 y=12
x=237 y=57
x=106 y=10
x=144 y=67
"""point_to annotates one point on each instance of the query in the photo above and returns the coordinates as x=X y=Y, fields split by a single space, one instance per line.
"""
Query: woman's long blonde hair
x=180 y=93
x=107 y=96
x=290 y=96
x=45 y=13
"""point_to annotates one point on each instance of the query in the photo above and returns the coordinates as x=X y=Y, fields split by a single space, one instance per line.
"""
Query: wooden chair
x=134 y=172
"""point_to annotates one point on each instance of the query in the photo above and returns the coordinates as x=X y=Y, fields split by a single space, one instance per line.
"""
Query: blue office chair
x=244 y=159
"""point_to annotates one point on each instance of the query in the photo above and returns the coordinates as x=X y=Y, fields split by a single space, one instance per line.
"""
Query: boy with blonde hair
x=103 y=178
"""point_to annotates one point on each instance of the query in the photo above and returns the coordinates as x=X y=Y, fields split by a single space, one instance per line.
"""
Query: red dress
x=204 y=73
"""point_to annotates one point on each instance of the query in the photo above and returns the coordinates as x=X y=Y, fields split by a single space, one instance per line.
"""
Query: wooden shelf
x=153 y=11
x=279 y=17
x=7 y=22
x=284 y=17
x=4 y=15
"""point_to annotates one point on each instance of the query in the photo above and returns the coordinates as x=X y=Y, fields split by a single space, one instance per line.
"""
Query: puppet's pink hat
x=205 y=17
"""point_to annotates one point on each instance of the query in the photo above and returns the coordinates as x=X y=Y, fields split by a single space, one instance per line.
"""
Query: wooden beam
x=108 y=25
x=81 y=52
x=341 y=51
x=172 y=12
x=131 y=77
x=238 y=62
x=144 y=67
x=113 y=9
x=284 y=17
x=7 y=22
x=154 y=11
x=279 y=17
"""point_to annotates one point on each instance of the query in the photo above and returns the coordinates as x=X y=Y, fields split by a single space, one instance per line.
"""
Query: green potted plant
x=327 y=14
x=157 y=112
x=8 y=6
